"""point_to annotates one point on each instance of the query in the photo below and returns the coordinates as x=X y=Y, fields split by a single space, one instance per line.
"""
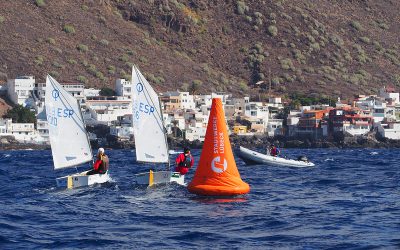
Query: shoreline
x=236 y=141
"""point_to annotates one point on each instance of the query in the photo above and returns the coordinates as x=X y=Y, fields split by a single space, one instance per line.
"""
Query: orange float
x=217 y=174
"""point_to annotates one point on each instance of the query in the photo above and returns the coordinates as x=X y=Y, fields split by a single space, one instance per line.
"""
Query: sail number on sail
x=143 y=108
x=53 y=114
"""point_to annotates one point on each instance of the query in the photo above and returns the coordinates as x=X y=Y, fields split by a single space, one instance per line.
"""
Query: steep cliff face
x=334 y=47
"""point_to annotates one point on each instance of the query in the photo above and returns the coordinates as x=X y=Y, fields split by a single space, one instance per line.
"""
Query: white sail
x=69 y=142
x=148 y=127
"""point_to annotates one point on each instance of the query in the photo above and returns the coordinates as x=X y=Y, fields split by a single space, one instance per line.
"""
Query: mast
x=165 y=133
x=84 y=126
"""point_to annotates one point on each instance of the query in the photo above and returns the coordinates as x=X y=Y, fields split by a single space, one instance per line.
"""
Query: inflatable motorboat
x=251 y=157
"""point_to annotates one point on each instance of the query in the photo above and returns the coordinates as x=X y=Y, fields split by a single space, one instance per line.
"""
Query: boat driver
x=274 y=151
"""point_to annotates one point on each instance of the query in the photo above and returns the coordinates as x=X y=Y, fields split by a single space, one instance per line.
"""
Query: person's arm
x=177 y=160
x=97 y=164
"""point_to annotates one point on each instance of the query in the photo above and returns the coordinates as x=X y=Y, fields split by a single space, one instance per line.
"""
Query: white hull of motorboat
x=81 y=180
x=253 y=157
x=161 y=177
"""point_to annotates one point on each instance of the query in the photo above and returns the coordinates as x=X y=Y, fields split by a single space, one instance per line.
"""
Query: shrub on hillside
x=241 y=7
x=273 y=30
x=57 y=65
x=111 y=69
x=356 y=25
x=82 y=48
x=51 y=40
x=195 y=86
x=72 y=61
x=69 y=29
x=365 y=39
x=40 y=3
x=39 y=60
x=287 y=64
x=54 y=74
x=104 y=42
x=82 y=79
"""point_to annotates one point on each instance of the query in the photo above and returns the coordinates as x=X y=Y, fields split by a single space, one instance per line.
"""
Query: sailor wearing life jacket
x=101 y=164
x=184 y=161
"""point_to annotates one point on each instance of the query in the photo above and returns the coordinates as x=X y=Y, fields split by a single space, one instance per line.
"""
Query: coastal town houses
x=106 y=110
x=349 y=119
x=176 y=100
x=264 y=116
x=312 y=124
x=22 y=132
x=186 y=115
x=389 y=129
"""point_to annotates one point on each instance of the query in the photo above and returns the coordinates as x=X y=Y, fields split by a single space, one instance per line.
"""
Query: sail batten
x=68 y=138
x=148 y=128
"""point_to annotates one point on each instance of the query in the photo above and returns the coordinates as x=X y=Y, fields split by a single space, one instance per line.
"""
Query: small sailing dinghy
x=150 y=133
x=69 y=142
x=251 y=157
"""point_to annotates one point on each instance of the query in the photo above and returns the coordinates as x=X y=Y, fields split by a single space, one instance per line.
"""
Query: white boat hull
x=253 y=157
x=161 y=177
x=81 y=180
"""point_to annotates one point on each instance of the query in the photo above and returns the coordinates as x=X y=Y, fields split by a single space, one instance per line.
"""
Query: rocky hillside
x=331 y=47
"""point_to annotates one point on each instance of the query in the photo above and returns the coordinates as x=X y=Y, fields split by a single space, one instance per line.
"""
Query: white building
x=389 y=94
x=195 y=133
x=239 y=104
x=91 y=92
x=20 y=90
x=76 y=89
x=42 y=128
x=22 y=132
x=123 y=88
x=256 y=110
x=5 y=126
x=292 y=121
x=274 y=127
x=187 y=101
x=389 y=129
x=106 y=111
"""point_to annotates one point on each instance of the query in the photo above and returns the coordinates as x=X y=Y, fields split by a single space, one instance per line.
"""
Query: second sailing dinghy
x=149 y=133
x=69 y=142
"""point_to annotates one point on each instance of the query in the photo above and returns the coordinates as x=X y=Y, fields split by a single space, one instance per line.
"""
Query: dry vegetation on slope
x=335 y=47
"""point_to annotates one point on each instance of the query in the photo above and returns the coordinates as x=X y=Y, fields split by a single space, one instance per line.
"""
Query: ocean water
x=350 y=200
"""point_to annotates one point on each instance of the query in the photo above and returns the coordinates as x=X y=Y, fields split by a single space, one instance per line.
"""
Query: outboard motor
x=302 y=158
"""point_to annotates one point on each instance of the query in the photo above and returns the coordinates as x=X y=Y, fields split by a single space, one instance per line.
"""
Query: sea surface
x=349 y=200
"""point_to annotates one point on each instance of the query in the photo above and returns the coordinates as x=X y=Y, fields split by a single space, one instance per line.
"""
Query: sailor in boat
x=184 y=161
x=274 y=151
x=101 y=164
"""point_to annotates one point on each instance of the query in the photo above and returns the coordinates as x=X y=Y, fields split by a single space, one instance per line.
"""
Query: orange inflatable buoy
x=217 y=174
